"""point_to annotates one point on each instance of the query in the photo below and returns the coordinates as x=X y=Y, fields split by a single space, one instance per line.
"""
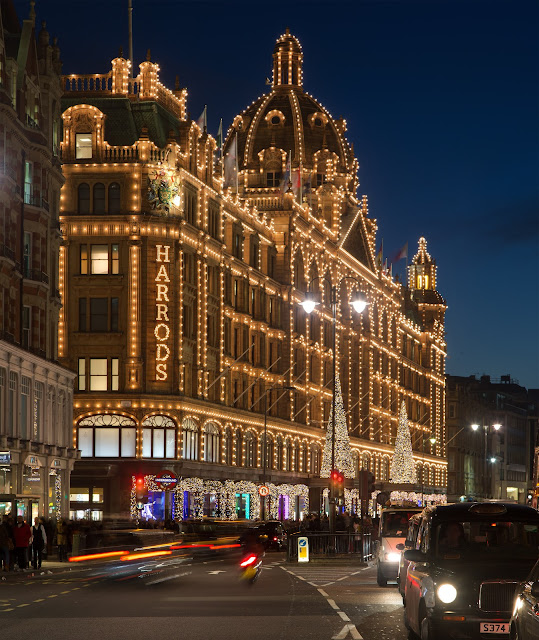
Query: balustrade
x=96 y=82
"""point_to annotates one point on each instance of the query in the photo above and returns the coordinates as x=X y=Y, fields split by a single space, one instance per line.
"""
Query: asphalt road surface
x=202 y=601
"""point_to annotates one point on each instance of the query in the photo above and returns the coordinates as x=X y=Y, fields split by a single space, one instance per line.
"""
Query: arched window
x=296 y=460
x=304 y=459
x=107 y=436
x=83 y=198
x=269 y=451
x=315 y=459
x=158 y=437
x=239 y=441
x=99 y=197
x=212 y=444
x=250 y=450
x=227 y=446
x=279 y=453
x=190 y=439
x=114 y=197
x=384 y=470
x=288 y=455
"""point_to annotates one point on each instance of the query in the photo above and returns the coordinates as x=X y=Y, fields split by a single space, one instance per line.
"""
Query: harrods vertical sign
x=162 y=306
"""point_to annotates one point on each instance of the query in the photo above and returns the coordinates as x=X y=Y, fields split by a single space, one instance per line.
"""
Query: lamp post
x=309 y=304
x=266 y=439
x=486 y=430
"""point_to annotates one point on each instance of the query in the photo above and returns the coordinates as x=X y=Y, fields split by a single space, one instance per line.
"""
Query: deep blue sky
x=442 y=102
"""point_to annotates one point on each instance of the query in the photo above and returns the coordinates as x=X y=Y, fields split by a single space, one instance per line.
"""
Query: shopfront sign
x=5 y=458
x=166 y=480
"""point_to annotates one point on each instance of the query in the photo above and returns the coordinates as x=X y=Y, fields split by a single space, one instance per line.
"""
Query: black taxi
x=467 y=563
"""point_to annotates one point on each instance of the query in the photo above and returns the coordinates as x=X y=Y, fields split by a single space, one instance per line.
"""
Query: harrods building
x=181 y=279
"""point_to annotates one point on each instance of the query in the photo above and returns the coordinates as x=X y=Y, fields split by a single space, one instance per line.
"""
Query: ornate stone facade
x=182 y=298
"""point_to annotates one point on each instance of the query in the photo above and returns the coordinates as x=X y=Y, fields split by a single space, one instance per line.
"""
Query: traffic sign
x=166 y=480
x=303 y=549
x=263 y=491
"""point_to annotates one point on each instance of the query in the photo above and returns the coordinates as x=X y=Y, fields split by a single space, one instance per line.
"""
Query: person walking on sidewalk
x=22 y=535
x=39 y=540
x=61 y=540
x=6 y=545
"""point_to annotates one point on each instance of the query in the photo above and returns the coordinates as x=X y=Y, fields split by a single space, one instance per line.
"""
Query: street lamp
x=285 y=388
x=358 y=303
x=486 y=429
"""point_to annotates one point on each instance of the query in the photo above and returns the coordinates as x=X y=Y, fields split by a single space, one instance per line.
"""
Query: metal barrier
x=331 y=545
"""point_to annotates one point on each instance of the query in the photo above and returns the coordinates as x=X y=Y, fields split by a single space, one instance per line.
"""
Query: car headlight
x=447 y=593
x=393 y=557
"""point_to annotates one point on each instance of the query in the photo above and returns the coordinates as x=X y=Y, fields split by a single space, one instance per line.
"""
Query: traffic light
x=139 y=483
x=337 y=479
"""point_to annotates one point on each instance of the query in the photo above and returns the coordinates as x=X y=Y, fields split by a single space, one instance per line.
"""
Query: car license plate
x=494 y=627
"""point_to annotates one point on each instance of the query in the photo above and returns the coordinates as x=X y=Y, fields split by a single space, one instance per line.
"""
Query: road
x=201 y=601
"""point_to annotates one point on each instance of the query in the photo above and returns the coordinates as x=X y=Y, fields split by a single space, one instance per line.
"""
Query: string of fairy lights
x=372 y=348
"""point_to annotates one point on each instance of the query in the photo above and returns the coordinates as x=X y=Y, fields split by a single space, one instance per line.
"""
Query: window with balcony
x=26 y=327
x=83 y=146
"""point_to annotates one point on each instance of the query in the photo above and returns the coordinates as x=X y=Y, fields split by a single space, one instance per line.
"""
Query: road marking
x=64 y=591
x=24 y=605
x=333 y=604
x=326 y=595
x=214 y=573
x=176 y=575
x=344 y=616
x=54 y=595
x=4 y=610
x=40 y=600
x=348 y=629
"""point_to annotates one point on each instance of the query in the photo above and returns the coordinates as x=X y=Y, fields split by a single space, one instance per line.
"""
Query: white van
x=393 y=532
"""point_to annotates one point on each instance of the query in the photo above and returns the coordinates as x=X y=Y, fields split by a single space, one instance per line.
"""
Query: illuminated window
x=83 y=146
x=99 y=259
x=158 y=437
x=212 y=443
x=190 y=439
x=273 y=178
x=98 y=374
x=250 y=450
x=105 y=436
x=82 y=374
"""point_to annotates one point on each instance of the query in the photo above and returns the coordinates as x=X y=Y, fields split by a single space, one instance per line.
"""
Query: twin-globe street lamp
x=359 y=303
x=487 y=429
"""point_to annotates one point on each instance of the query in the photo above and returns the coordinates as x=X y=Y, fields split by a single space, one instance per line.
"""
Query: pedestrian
x=22 y=535
x=61 y=540
x=6 y=545
x=39 y=541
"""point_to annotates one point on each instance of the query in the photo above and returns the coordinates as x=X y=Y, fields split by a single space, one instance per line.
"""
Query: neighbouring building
x=36 y=392
x=491 y=436
x=181 y=292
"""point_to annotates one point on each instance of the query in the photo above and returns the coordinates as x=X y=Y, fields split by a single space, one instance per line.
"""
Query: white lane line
x=333 y=604
x=348 y=629
x=176 y=575
x=343 y=578
x=326 y=595
x=344 y=616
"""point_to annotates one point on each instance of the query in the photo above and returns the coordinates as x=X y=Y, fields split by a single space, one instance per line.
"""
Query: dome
x=287 y=120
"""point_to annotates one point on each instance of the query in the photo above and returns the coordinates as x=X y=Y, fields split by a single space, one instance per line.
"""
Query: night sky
x=441 y=99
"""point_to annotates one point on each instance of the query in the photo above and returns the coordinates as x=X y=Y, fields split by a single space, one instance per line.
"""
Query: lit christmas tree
x=343 y=452
x=402 y=464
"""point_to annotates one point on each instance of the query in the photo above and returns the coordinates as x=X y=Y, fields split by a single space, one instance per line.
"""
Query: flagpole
x=237 y=166
x=300 y=183
x=221 y=150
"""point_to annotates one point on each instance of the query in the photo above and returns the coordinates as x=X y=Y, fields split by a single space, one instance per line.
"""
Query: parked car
x=409 y=543
x=525 y=618
x=468 y=561
x=393 y=532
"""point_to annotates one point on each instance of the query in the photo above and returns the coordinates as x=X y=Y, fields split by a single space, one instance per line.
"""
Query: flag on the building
x=231 y=164
x=402 y=253
x=219 y=138
x=296 y=181
x=286 y=177
x=202 y=122
x=379 y=255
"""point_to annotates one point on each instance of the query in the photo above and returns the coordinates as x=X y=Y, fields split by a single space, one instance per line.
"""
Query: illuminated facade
x=181 y=301
x=36 y=392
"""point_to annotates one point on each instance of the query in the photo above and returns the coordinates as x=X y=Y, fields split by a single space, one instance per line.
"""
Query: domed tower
x=422 y=284
x=289 y=147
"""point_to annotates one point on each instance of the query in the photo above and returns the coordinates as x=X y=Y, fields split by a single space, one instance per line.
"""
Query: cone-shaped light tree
x=402 y=464
x=343 y=451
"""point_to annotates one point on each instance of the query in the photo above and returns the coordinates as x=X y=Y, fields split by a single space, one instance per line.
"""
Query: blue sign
x=5 y=457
